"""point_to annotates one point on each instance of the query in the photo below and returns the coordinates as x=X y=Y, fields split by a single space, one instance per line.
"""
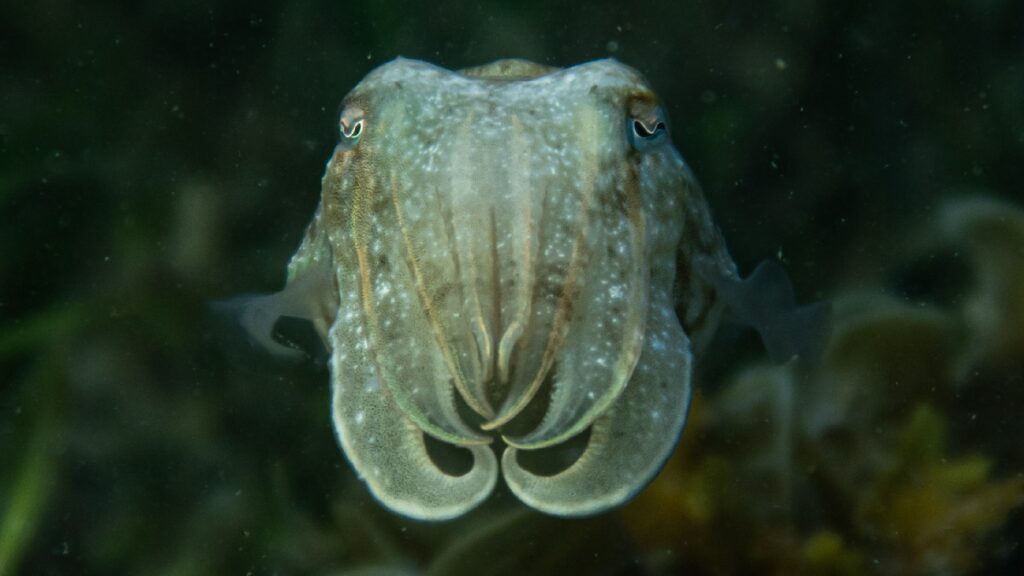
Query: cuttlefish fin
x=309 y=295
x=765 y=301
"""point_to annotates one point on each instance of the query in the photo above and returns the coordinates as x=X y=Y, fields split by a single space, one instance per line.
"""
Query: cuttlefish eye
x=350 y=125
x=647 y=129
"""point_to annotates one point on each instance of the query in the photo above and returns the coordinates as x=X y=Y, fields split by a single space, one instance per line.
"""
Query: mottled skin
x=519 y=237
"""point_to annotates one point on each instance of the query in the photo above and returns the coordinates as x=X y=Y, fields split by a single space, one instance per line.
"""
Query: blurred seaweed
x=875 y=460
x=155 y=156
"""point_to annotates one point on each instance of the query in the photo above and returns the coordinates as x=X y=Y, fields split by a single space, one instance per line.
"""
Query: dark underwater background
x=156 y=156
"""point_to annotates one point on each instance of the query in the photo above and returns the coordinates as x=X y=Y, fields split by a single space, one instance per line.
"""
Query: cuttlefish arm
x=385 y=447
x=630 y=441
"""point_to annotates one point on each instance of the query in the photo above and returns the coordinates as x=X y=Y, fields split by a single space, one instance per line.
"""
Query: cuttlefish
x=505 y=259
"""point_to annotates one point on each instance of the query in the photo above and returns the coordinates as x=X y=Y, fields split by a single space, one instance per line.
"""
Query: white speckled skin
x=495 y=236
